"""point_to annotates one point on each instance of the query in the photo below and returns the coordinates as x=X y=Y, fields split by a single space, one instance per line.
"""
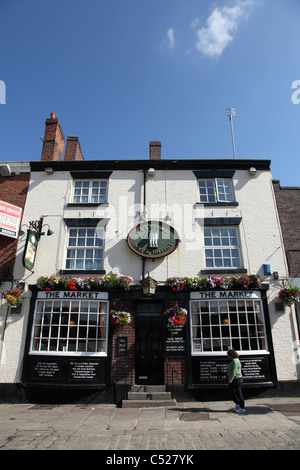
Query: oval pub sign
x=153 y=239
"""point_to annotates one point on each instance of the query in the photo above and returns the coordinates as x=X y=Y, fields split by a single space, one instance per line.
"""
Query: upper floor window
x=84 y=249
x=215 y=190
x=222 y=247
x=90 y=191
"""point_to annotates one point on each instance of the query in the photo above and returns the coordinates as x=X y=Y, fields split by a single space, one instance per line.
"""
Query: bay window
x=219 y=324
x=76 y=327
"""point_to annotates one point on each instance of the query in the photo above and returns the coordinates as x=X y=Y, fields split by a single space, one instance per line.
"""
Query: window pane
x=89 y=191
x=228 y=324
x=87 y=240
x=65 y=329
x=222 y=237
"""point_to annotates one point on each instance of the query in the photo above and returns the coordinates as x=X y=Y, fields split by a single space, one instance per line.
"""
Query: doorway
x=149 y=350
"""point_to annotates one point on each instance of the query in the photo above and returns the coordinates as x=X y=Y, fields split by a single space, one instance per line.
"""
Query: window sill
x=251 y=352
x=67 y=353
x=86 y=204
x=217 y=204
x=82 y=271
x=223 y=271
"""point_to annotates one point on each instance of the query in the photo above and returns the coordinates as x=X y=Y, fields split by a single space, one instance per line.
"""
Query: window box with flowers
x=83 y=284
x=289 y=295
x=187 y=284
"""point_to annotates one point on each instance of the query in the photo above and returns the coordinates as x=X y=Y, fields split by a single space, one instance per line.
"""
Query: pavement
x=186 y=429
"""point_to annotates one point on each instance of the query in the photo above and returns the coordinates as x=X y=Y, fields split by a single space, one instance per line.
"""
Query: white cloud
x=171 y=38
x=220 y=26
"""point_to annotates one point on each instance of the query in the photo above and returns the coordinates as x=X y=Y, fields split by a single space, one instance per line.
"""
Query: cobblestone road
x=269 y=424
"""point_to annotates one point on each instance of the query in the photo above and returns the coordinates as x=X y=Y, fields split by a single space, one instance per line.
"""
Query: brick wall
x=54 y=140
x=155 y=150
x=13 y=189
x=288 y=204
x=73 y=149
x=123 y=367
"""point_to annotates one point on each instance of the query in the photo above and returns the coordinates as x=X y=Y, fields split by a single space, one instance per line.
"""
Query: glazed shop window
x=215 y=190
x=78 y=327
x=87 y=191
x=222 y=247
x=218 y=325
x=85 y=249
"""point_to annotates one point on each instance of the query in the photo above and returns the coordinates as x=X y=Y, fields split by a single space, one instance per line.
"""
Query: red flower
x=72 y=286
x=48 y=288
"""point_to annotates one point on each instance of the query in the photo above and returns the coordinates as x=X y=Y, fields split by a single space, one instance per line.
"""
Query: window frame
x=222 y=247
x=53 y=323
x=84 y=247
x=206 y=321
x=216 y=191
x=89 y=182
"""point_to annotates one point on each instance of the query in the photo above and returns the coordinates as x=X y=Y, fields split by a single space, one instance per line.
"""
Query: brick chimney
x=73 y=149
x=54 y=140
x=155 y=150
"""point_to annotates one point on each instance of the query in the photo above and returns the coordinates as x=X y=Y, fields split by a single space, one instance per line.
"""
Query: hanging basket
x=119 y=319
x=289 y=295
x=176 y=317
x=13 y=297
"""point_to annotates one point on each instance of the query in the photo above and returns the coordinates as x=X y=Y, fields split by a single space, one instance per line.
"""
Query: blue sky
x=120 y=73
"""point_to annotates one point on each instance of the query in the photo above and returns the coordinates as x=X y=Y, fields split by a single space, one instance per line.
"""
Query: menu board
x=83 y=370
x=122 y=346
x=66 y=371
x=49 y=370
x=175 y=342
x=208 y=370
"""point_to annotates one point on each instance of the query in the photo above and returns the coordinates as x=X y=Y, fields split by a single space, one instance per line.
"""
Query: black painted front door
x=149 y=359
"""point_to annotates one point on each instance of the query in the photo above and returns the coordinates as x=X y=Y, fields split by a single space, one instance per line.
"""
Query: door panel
x=149 y=347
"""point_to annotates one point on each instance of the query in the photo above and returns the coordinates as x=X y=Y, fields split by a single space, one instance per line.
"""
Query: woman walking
x=235 y=380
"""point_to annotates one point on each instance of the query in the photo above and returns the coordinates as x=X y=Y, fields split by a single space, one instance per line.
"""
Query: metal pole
x=230 y=113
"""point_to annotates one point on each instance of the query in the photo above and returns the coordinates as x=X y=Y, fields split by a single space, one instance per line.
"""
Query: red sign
x=10 y=217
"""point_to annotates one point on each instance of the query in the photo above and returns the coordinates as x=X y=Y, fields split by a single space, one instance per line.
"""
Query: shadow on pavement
x=255 y=410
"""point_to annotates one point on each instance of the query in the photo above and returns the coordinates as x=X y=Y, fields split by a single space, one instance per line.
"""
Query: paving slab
x=191 y=425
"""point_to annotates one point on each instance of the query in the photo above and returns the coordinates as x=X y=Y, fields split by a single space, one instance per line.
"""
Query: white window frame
x=218 y=324
x=76 y=327
x=217 y=183
x=226 y=249
x=92 y=191
x=85 y=244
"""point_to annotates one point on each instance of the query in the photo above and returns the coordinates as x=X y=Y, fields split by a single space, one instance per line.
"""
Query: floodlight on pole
x=230 y=114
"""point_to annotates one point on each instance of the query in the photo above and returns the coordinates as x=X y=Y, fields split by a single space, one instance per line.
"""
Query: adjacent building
x=190 y=251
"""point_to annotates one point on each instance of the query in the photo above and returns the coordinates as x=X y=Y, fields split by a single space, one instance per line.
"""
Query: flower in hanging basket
x=289 y=295
x=13 y=297
x=120 y=318
x=176 y=317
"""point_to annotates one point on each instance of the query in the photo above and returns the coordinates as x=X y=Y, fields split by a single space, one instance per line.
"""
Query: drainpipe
x=144 y=201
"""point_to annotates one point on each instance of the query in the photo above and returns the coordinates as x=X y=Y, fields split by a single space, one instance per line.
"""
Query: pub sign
x=153 y=239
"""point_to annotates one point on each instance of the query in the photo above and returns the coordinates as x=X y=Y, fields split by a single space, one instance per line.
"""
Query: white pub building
x=146 y=272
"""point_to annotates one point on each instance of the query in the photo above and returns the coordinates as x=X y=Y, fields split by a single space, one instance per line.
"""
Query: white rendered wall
x=173 y=193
